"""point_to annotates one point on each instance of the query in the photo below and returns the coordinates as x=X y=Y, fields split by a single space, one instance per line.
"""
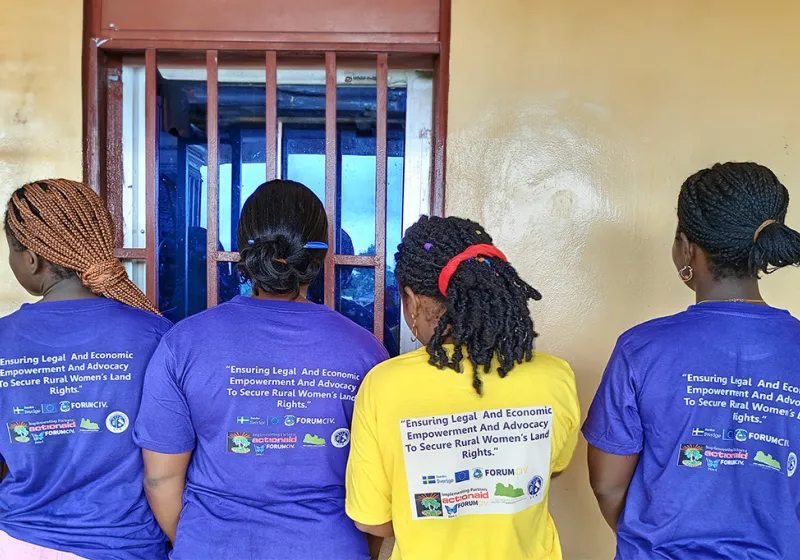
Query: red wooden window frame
x=102 y=158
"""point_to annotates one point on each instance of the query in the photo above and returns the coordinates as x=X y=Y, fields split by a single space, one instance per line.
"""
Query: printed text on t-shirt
x=481 y=462
x=292 y=387
x=65 y=373
x=751 y=401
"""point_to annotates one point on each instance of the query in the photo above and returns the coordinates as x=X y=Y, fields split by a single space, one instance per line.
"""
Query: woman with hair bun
x=693 y=434
x=245 y=420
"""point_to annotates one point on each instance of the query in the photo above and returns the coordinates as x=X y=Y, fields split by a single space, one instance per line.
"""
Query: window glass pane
x=395 y=151
x=182 y=183
x=394 y=203
x=243 y=144
x=137 y=272
x=394 y=234
x=392 y=314
x=303 y=153
x=303 y=159
x=301 y=117
x=356 y=112
x=355 y=294
x=228 y=283
x=308 y=169
x=316 y=291
x=182 y=197
x=133 y=157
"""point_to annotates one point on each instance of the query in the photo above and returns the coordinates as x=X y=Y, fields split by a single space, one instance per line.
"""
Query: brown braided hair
x=66 y=223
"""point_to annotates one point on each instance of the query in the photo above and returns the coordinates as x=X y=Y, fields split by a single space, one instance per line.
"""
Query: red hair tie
x=481 y=250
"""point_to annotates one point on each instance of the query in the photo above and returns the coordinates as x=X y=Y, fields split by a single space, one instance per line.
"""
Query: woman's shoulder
x=399 y=369
x=140 y=316
x=405 y=362
x=99 y=312
x=544 y=370
x=659 y=328
x=551 y=364
x=347 y=330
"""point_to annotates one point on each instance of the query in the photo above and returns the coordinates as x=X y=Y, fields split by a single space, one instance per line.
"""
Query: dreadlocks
x=735 y=212
x=486 y=306
x=66 y=223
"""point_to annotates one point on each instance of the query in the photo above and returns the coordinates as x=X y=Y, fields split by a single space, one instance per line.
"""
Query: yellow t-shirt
x=460 y=475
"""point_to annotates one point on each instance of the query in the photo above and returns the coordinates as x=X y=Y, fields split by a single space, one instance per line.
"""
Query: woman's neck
x=301 y=297
x=70 y=288
x=734 y=289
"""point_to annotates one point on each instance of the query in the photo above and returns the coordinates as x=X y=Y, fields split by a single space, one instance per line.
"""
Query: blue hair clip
x=483 y=260
x=309 y=245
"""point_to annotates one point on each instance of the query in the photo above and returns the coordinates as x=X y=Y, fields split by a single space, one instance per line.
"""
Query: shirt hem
x=85 y=554
x=160 y=448
x=602 y=445
x=355 y=516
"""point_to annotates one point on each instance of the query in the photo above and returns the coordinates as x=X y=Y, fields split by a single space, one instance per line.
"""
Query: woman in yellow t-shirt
x=454 y=445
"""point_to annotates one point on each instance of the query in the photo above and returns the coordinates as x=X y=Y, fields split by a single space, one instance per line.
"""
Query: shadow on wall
x=540 y=181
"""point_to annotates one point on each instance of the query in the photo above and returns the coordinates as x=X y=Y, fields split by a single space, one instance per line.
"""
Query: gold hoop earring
x=686 y=273
x=414 y=337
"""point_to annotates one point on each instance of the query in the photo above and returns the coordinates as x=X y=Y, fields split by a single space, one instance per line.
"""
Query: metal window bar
x=150 y=252
x=272 y=115
x=330 y=175
x=380 y=194
x=113 y=158
x=212 y=233
x=151 y=217
x=378 y=261
x=114 y=174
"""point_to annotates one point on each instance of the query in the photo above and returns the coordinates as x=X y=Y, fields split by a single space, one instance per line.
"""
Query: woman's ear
x=687 y=249
x=411 y=302
x=32 y=261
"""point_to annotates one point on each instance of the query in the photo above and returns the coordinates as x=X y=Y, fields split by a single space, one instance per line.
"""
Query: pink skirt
x=20 y=550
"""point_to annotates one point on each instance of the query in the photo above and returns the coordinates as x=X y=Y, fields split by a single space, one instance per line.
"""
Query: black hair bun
x=277 y=222
x=277 y=265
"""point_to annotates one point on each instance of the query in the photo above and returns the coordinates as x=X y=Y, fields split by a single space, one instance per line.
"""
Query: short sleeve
x=570 y=420
x=614 y=424
x=564 y=458
x=164 y=424
x=369 y=492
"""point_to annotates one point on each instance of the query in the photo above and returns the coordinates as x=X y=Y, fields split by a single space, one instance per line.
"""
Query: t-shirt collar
x=67 y=305
x=280 y=305
x=738 y=308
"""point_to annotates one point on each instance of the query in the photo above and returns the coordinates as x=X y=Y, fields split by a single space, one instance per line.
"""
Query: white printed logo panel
x=488 y=461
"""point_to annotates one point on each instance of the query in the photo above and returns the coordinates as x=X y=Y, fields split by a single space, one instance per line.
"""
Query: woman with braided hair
x=693 y=434
x=66 y=224
x=71 y=372
x=484 y=421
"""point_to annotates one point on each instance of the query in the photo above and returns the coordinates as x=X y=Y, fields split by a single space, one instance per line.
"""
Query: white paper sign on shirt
x=483 y=462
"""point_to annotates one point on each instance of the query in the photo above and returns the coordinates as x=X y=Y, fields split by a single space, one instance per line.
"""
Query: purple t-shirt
x=710 y=398
x=71 y=376
x=262 y=392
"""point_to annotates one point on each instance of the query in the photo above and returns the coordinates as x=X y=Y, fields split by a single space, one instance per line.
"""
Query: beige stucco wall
x=573 y=124
x=40 y=103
